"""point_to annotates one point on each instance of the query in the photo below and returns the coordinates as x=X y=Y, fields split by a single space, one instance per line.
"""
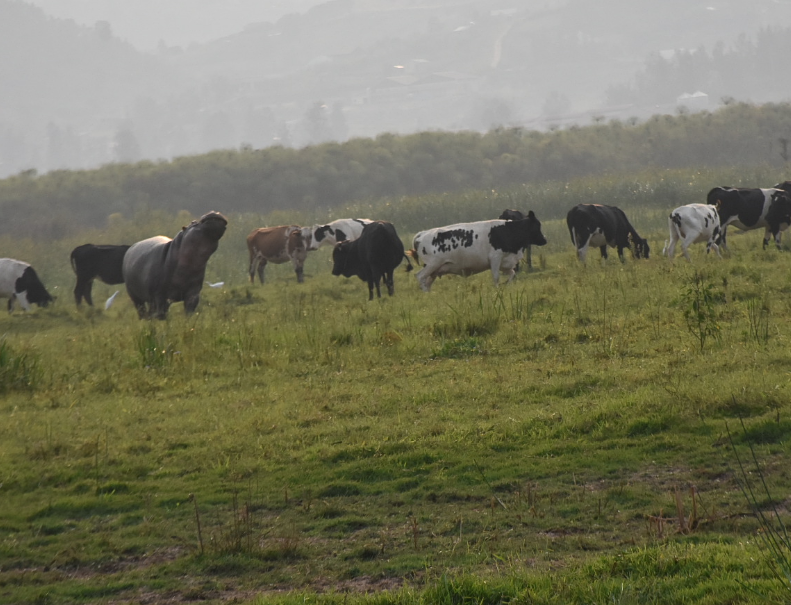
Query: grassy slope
x=527 y=436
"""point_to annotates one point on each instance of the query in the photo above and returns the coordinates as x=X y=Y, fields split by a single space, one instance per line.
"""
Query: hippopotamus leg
x=191 y=302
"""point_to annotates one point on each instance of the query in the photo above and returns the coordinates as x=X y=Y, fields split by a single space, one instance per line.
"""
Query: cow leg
x=261 y=267
x=670 y=246
x=389 y=283
x=723 y=243
x=711 y=245
x=300 y=275
x=688 y=241
x=83 y=291
x=582 y=249
x=425 y=278
x=371 y=289
x=603 y=250
x=529 y=256
x=11 y=302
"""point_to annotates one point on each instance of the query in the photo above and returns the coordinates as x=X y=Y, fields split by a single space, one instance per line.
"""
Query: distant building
x=697 y=101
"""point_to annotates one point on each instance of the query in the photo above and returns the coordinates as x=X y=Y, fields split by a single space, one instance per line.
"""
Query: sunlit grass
x=468 y=443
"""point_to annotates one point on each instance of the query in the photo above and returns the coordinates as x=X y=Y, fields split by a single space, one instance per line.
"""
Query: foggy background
x=90 y=82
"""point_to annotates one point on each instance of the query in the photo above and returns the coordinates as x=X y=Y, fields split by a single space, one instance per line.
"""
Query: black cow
x=601 y=226
x=518 y=215
x=749 y=209
x=372 y=256
x=90 y=261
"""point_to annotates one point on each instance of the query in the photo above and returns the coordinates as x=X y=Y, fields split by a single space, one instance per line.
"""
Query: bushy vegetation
x=322 y=180
x=559 y=439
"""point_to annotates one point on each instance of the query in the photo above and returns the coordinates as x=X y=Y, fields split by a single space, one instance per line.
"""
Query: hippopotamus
x=159 y=271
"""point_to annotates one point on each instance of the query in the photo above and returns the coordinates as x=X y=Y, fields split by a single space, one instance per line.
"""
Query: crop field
x=571 y=437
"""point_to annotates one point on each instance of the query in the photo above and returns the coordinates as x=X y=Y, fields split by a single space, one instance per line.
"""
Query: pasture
x=560 y=439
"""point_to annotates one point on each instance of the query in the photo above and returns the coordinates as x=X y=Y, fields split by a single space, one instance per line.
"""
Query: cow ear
x=531 y=214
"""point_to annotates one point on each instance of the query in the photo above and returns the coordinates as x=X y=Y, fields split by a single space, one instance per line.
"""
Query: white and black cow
x=749 y=209
x=90 y=261
x=330 y=234
x=19 y=282
x=276 y=245
x=469 y=248
x=601 y=226
x=518 y=215
x=692 y=224
x=372 y=256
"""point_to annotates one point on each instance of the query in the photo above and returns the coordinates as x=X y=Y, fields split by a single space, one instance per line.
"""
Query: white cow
x=468 y=248
x=19 y=282
x=692 y=224
x=330 y=234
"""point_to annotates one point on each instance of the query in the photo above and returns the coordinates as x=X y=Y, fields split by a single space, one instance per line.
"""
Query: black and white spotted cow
x=692 y=224
x=601 y=226
x=341 y=230
x=19 y=282
x=749 y=209
x=469 y=248
x=517 y=215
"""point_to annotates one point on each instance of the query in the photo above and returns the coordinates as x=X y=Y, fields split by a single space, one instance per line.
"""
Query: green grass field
x=561 y=439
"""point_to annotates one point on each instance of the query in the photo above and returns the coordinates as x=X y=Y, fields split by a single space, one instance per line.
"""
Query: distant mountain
x=79 y=96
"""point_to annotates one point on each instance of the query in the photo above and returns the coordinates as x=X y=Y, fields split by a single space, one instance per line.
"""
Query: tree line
x=317 y=180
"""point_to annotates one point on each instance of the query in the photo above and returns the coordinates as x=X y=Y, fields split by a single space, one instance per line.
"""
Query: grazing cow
x=602 y=226
x=159 y=271
x=518 y=215
x=19 y=281
x=372 y=256
x=337 y=231
x=749 y=209
x=90 y=261
x=276 y=245
x=469 y=248
x=692 y=224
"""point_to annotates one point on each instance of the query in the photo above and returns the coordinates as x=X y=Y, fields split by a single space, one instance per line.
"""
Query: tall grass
x=19 y=370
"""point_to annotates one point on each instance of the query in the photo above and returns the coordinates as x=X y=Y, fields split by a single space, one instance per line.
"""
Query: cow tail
x=73 y=263
x=408 y=264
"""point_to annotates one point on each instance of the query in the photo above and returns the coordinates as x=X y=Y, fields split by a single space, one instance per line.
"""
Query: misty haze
x=90 y=83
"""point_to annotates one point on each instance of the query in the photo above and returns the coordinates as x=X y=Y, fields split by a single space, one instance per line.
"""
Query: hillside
x=81 y=97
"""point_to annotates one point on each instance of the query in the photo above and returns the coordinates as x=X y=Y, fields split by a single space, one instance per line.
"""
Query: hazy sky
x=177 y=22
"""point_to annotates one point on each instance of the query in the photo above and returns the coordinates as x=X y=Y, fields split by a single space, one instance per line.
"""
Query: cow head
x=534 y=230
x=511 y=215
x=638 y=246
x=320 y=233
x=307 y=237
x=33 y=290
x=340 y=257
x=779 y=210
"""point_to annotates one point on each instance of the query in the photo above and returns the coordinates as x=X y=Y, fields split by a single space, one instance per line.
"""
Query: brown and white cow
x=276 y=245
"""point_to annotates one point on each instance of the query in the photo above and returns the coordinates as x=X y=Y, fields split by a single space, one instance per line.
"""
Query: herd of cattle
x=159 y=270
